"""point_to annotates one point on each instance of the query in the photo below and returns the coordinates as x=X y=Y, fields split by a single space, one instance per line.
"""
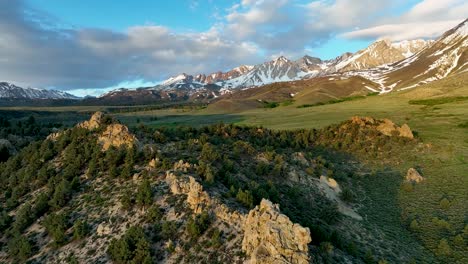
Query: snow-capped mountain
x=11 y=91
x=310 y=64
x=388 y=65
x=446 y=56
x=223 y=76
x=279 y=70
x=379 y=53
x=182 y=81
x=282 y=69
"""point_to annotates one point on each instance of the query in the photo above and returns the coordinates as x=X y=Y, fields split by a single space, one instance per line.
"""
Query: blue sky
x=88 y=47
x=181 y=15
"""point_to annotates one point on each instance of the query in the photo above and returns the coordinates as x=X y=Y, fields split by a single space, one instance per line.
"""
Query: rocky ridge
x=115 y=135
x=384 y=126
x=11 y=91
x=268 y=235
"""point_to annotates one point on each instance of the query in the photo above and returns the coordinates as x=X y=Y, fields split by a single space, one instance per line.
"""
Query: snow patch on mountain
x=11 y=91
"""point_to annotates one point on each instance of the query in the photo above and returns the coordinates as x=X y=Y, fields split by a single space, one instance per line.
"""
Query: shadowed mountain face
x=11 y=91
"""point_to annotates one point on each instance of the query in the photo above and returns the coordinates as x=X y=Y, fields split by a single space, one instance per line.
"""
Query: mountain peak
x=281 y=59
x=11 y=91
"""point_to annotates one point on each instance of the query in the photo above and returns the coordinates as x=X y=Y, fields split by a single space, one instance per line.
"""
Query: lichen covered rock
x=93 y=123
x=413 y=176
x=384 y=126
x=270 y=237
x=116 y=135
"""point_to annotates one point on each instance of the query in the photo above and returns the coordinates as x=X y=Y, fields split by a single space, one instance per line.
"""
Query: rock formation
x=270 y=237
x=116 y=135
x=385 y=126
x=413 y=176
x=199 y=200
x=331 y=183
x=94 y=122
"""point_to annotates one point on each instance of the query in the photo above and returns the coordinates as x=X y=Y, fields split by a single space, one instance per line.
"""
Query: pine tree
x=443 y=249
x=144 y=195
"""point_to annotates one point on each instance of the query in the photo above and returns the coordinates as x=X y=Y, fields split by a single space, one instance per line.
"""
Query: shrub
x=443 y=249
x=56 y=225
x=133 y=247
x=61 y=194
x=80 y=229
x=5 y=220
x=245 y=198
x=208 y=153
x=19 y=248
x=198 y=225
x=126 y=200
x=144 y=194
x=168 y=230
x=23 y=218
x=154 y=214
x=347 y=195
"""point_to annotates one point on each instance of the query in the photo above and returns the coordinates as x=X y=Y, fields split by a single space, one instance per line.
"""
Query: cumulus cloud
x=397 y=32
x=290 y=27
x=35 y=54
x=426 y=19
x=34 y=51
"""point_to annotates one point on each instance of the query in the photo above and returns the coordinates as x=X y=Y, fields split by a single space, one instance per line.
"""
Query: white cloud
x=427 y=19
x=125 y=84
x=35 y=52
x=397 y=32
x=74 y=58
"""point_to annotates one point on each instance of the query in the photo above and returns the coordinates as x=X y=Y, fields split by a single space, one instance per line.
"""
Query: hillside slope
x=195 y=195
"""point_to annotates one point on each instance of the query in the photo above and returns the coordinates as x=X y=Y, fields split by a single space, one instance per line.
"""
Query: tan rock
x=54 y=136
x=103 y=229
x=413 y=176
x=299 y=157
x=405 y=131
x=153 y=163
x=93 y=123
x=385 y=126
x=270 y=237
x=182 y=166
x=116 y=135
x=331 y=183
x=196 y=197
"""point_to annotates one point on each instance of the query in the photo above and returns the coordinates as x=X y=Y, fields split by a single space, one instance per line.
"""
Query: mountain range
x=384 y=65
x=11 y=91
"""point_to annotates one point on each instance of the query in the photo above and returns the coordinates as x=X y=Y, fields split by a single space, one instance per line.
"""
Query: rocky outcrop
x=270 y=237
x=331 y=183
x=94 y=122
x=182 y=166
x=116 y=135
x=385 y=126
x=413 y=176
x=199 y=200
x=103 y=229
